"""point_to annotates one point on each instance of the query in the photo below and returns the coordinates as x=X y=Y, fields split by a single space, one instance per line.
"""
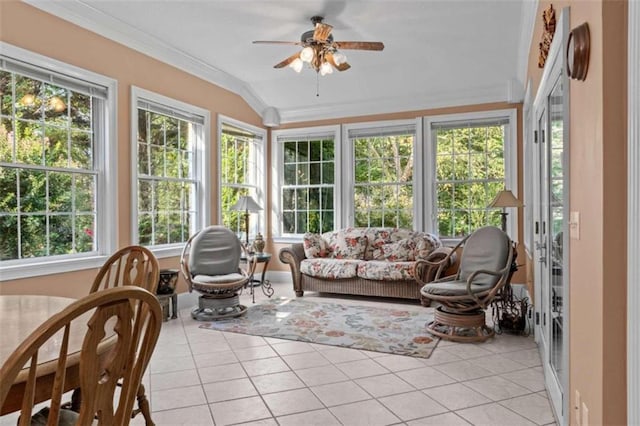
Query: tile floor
x=207 y=377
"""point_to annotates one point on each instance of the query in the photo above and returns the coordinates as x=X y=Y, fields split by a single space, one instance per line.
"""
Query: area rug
x=390 y=330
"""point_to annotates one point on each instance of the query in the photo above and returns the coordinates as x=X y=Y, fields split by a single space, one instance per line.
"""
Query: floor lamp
x=504 y=199
x=246 y=204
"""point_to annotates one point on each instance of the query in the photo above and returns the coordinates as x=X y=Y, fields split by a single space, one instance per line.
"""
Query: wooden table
x=20 y=316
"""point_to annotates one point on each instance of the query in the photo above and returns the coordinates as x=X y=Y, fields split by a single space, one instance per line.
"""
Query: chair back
x=132 y=265
x=487 y=248
x=117 y=345
x=214 y=251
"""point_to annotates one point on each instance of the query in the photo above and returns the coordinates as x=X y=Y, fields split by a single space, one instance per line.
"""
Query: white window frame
x=510 y=156
x=277 y=169
x=260 y=174
x=348 y=169
x=201 y=172
x=105 y=163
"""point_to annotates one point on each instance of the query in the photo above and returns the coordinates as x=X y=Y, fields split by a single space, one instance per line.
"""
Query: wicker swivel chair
x=122 y=328
x=485 y=266
x=210 y=265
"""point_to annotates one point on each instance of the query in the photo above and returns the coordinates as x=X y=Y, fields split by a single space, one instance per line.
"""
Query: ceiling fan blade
x=322 y=31
x=277 y=42
x=287 y=61
x=359 y=45
x=342 y=67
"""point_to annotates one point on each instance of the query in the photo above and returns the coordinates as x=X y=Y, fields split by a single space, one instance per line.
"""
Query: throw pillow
x=425 y=244
x=400 y=251
x=314 y=246
x=347 y=246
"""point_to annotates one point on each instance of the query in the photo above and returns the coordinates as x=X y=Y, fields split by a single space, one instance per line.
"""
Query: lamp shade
x=505 y=198
x=246 y=203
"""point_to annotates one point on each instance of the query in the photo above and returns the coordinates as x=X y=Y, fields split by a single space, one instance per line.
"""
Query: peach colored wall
x=519 y=276
x=29 y=28
x=597 y=191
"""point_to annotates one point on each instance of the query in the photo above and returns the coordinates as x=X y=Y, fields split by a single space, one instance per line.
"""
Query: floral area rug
x=390 y=330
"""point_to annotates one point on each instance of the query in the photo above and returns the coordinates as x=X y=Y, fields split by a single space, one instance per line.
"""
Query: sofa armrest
x=438 y=261
x=293 y=256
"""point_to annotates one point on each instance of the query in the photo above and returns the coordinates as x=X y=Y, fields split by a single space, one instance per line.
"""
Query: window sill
x=47 y=267
x=287 y=240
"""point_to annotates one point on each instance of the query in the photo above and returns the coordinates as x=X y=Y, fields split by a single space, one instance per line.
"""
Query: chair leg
x=143 y=406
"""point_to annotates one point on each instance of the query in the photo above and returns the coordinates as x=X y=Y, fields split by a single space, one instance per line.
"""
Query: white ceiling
x=437 y=53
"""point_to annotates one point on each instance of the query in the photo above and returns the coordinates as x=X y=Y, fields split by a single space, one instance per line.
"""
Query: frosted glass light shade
x=296 y=65
x=306 y=54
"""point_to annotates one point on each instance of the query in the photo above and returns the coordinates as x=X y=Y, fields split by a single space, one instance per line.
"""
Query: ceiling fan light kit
x=320 y=51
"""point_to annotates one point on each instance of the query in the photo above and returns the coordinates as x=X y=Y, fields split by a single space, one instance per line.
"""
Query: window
x=54 y=207
x=472 y=161
x=306 y=182
x=242 y=171
x=383 y=173
x=169 y=150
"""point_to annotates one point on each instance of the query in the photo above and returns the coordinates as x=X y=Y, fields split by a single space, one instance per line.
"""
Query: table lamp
x=246 y=204
x=504 y=199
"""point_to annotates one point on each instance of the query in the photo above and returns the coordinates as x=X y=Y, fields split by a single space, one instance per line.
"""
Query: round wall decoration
x=578 y=52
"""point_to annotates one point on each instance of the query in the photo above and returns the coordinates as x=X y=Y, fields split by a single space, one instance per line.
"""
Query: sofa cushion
x=349 y=243
x=330 y=268
x=383 y=270
x=314 y=246
x=425 y=244
x=377 y=237
x=400 y=251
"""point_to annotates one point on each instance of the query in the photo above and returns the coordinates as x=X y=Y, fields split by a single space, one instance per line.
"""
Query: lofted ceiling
x=437 y=53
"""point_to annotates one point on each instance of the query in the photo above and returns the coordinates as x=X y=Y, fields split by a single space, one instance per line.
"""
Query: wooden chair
x=123 y=323
x=210 y=265
x=132 y=265
x=485 y=268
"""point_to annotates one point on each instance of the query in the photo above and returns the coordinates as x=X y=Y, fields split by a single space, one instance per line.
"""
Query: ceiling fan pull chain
x=317 y=84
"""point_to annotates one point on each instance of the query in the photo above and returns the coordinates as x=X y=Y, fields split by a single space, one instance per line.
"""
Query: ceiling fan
x=320 y=50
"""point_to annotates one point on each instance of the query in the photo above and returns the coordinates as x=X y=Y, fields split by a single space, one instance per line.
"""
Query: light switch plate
x=574 y=225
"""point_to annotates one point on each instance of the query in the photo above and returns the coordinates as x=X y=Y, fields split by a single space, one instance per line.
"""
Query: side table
x=167 y=291
x=263 y=258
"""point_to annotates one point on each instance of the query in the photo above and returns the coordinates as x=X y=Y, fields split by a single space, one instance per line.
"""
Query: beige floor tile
x=467 y=351
x=412 y=405
x=497 y=388
x=178 y=397
x=239 y=411
x=277 y=382
x=174 y=379
x=310 y=418
x=497 y=364
x=255 y=352
x=167 y=365
x=533 y=407
x=305 y=360
x=264 y=422
x=364 y=413
x=462 y=370
x=340 y=393
x=456 y=396
x=321 y=375
x=190 y=416
x=527 y=357
x=494 y=415
x=292 y=401
x=221 y=373
x=384 y=385
x=399 y=362
x=211 y=359
x=230 y=389
x=530 y=378
x=291 y=348
x=446 y=419
x=171 y=350
x=200 y=335
x=205 y=347
x=240 y=341
x=424 y=377
x=361 y=368
x=258 y=367
x=337 y=355
x=440 y=356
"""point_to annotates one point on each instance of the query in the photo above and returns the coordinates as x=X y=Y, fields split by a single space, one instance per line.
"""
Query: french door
x=551 y=214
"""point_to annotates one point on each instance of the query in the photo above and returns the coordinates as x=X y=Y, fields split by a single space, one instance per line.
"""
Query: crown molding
x=94 y=20
x=413 y=102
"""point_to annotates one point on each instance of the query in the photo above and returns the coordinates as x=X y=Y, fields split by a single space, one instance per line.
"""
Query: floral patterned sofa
x=363 y=261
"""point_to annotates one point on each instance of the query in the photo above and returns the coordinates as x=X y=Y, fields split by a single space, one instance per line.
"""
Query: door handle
x=542 y=247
